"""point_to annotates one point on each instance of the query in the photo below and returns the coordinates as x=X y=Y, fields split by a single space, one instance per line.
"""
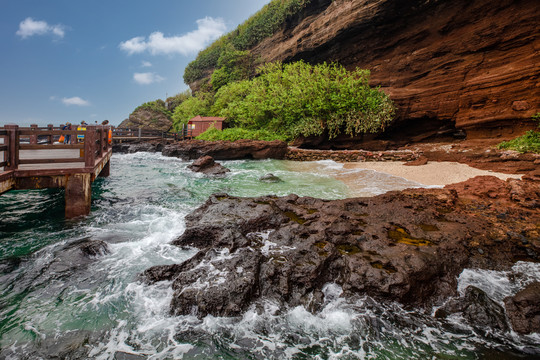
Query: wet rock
x=10 y=264
x=68 y=346
x=94 y=248
x=76 y=256
x=523 y=309
x=208 y=166
x=227 y=150
x=478 y=309
x=407 y=246
x=270 y=178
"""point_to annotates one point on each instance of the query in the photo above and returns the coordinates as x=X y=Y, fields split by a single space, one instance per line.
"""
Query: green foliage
x=156 y=106
x=258 y=27
x=295 y=99
x=174 y=101
x=205 y=61
x=529 y=142
x=300 y=99
x=265 y=22
x=536 y=117
x=233 y=134
x=193 y=106
x=233 y=65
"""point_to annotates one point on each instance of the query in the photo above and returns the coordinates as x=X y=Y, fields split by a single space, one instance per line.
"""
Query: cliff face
x=474 y=65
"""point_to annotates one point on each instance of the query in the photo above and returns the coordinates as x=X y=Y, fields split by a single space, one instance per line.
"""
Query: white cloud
x=30 y=27
x=147 y=78
x=208 y=30
x=146 y=64
x=75 y=101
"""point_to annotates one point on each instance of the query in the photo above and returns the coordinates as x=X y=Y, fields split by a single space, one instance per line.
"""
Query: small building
x=200 y=124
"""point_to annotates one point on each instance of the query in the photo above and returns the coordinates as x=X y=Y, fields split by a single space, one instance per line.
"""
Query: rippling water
x=56 y=304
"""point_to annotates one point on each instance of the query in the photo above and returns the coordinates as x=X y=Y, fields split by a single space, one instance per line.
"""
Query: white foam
x=500 y=284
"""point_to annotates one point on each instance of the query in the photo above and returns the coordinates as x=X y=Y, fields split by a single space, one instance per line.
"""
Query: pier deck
x=32 y=158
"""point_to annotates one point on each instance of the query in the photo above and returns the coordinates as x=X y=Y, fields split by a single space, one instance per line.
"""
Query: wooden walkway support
x=31 y=158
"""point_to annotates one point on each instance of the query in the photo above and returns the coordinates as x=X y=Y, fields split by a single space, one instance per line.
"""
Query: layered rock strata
x=474 y=65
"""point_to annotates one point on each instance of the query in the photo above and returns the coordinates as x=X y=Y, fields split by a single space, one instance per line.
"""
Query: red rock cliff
x=472 y=63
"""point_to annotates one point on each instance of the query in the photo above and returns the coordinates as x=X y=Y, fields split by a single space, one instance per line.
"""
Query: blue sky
x=73 y=60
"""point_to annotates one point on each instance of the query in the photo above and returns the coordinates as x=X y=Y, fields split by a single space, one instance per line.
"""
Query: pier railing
x=140 y=134
x=92 y=143
x=34 y=158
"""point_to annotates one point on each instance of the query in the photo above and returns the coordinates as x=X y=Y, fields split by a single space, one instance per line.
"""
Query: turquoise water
x=55 y=304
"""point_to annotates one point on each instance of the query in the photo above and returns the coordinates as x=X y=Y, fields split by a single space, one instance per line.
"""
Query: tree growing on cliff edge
x=296 y=99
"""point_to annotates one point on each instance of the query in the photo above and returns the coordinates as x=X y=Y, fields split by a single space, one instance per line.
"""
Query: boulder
x=208 y=166
x=478 y=310
x=523 y=309
x=270 y=178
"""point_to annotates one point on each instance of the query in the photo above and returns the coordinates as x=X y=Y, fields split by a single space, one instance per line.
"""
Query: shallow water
x=55 y=304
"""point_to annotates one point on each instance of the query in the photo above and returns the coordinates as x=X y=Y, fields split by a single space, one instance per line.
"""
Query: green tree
x=301 y=99
x=193 y=106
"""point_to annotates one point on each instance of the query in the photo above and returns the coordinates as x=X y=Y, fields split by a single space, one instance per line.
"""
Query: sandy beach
x=432 y=173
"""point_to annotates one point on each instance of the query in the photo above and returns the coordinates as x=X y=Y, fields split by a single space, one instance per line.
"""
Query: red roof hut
x=200 y=124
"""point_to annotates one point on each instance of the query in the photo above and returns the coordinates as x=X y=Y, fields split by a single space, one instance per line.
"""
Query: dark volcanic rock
x=208 y=166
x=406 y=246
x=478 y=309
x=227 y=150
x=270 y=178
x=94 y=248
x=523 y=309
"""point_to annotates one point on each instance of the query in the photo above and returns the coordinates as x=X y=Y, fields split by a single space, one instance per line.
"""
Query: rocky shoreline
x=481 y=155
x=407 y=246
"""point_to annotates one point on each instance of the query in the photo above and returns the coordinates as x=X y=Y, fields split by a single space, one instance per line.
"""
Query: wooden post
x=100 y=142
x=50 y=138
x=106 y=171
x=13 y=149
x=140 y=132
x=33 y=137
x=78 y=195
x=90 y=146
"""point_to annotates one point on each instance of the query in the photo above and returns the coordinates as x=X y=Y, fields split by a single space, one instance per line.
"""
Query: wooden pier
x=32 y=158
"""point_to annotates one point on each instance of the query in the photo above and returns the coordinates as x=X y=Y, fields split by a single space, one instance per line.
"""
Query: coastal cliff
x=473 y=66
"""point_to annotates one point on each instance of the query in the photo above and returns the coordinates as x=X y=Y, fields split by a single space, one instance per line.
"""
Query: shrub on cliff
x=233 y=65
x=156 y=106
x=174 y=101
x=301 y=99
x=259 y=26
